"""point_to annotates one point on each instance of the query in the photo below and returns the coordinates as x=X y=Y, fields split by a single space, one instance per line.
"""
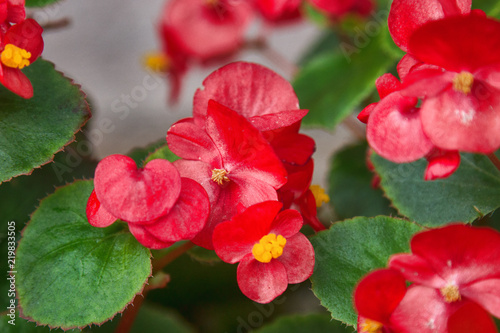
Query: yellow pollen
x=371 y=326
x=269 y=247
x=451 y=293
x=219 y=176
x=463 y=81
x=157 y=62
x=320 y=195
x=15 y=57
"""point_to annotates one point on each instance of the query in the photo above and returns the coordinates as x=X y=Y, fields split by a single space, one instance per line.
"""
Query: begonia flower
x=21 y=45
x=406 y=16
x=269 y=248
x=448 y=267
x=376 y=297
x=159 y=206
x=230 y=158
x=11 y=11
x=338 y=8
x=279 y=11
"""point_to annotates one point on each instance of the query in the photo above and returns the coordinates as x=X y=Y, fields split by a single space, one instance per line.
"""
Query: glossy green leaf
x=70 y=274
x=162 y=152
x=333 y=84
x=39 y=3
x=33 y=130
x=305 y=324
x=350 y=189
x=469 y=193
x=349 y=250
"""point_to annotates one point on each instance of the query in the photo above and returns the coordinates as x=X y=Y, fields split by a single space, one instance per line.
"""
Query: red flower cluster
x=21 y=44
x=455 y=276
x=450 y=69
x=204 y=31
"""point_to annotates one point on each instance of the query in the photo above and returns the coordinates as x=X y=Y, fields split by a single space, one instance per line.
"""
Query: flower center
x=320 y=195
x=269 y=247
x=15 y=57
x=157 y=62
x=451 y=293
x=219 y=176
x=463 y=81
x=371 y=326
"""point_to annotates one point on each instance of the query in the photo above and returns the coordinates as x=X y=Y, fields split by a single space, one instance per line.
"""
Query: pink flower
x=269 y=248
x=449 y=267
x=159 y=206
x=20 y=46
x=230 y=158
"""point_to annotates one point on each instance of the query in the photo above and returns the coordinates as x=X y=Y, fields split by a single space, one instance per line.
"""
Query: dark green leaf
x=469 y=193
x=305 y=324
x=33 y=130
x=348 y=251
x=332 y=85
x=70 y=274
x=350 y=187
x=162 y=152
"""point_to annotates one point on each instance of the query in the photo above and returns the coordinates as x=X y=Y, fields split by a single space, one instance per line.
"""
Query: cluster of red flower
x=450 y=68
x=20 y=45
x=455 y=276
x=203 y=31
x=240 y=153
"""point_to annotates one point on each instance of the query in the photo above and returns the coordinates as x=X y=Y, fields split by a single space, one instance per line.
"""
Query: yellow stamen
x=219 y=176
x=269 y=247
x=157 y=62
x=15 y=57
x=371 y=326
x=320 y=195
x=463 y=81
x=451 y=293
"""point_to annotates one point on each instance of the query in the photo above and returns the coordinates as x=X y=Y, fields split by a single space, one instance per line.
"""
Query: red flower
x=338 y=8
x=19 y=47
x=376 y=297
x=159 y=206
x=11 y=11
x=230 y=159
x=269 y=248
x=449 y=266
x=406 y=16
x=461 y=94
x=279 y=11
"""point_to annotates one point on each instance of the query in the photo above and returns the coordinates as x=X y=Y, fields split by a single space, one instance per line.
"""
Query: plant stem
x=132 y=310
x=494 y=159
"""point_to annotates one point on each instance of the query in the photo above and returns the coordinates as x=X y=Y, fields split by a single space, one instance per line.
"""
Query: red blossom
x=279 y=11
x=21 y=45
x=159 y=206
x=230 y=158
x=338 y=8
x=269 y=247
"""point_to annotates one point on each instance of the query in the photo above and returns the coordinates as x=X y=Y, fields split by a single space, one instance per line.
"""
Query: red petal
x=287 y=223
x=442 y=163
x=292 y=148
x=147 y=239
x=279 y=10
x=186 y=218
x=261 y=282
x=299 y=180
x=97 y=215
x=471 y=318
x=235 y=239
x=405 y=66
x=424 y=82
x=298 y=258
x=277 y=120
x=460 y=43
x=416 y=269
x=14 y=80
x=334 y=8
x=378 y=294
x=406 y=16
x=26 y=35
x=249 y=89
x=387 y=84
x=394 y=130
x=136 y=195
x=364 y=115
x=486 y=293
x=16 y=11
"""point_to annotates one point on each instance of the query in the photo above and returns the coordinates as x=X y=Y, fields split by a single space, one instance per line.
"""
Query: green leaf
x=33 y=130
x=469 y=193
x=305 y=324
x=39 y=3
x=350 y=187
x=70 y=274
x=491 y=7
x=332 y=85
x=348 y=251
x=162 y=152
x=139 y=155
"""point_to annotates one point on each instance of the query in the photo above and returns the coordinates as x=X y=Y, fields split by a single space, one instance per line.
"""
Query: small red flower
x=230 y=158
x=269 y=247
x=449 y=266
x=19 y=47
x=159 y=206
x=279 y=11
x=338 y=8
